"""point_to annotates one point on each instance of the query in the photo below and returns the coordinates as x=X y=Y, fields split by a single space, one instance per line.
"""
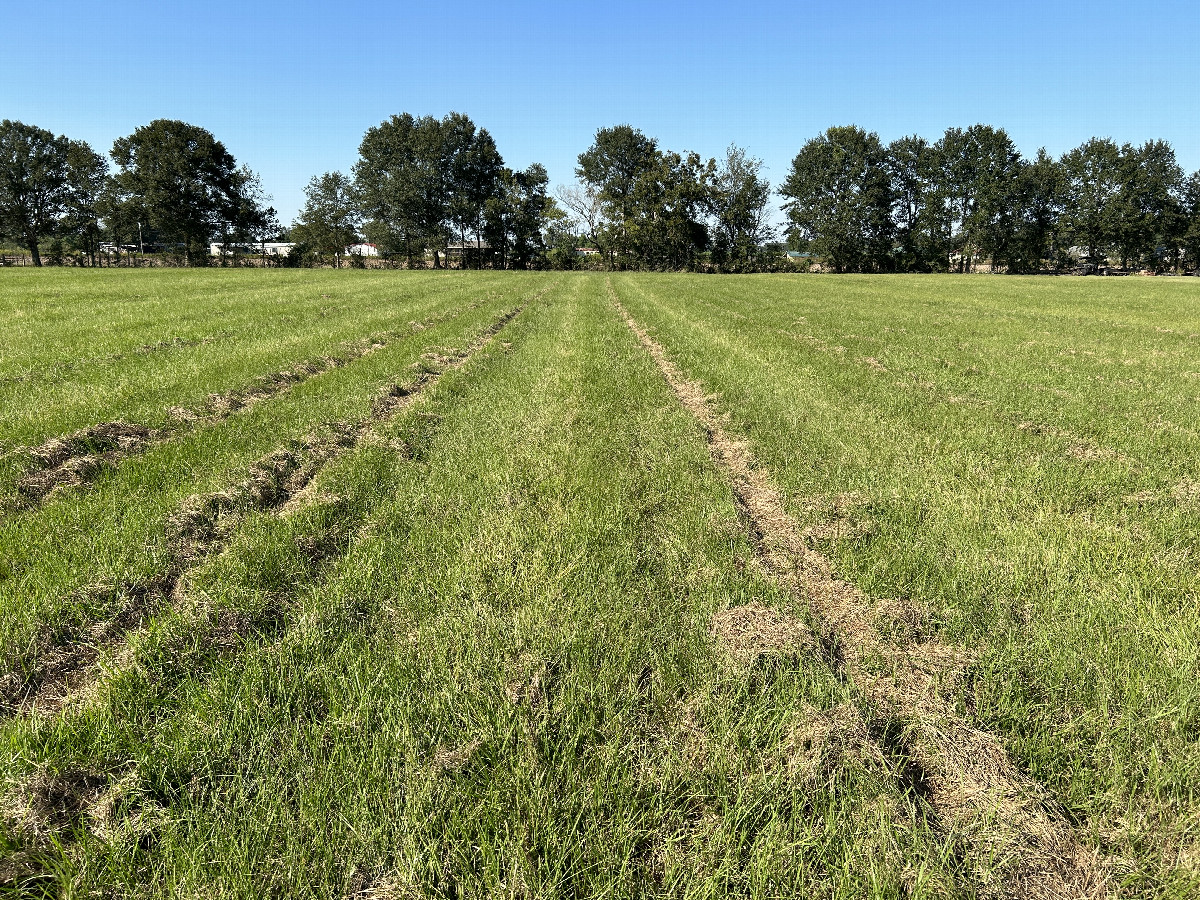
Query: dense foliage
x=427 y=191
x=971 y=197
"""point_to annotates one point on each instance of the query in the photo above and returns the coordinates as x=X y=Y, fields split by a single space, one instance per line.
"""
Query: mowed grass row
x=479 y=663
x=73 y=562
x=1019 y=456
x=81 y=348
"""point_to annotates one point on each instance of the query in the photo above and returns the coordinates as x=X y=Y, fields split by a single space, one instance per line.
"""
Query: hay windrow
x=278 y=482
x=823 y=742
x=78 y=458
x=749 y=633
x=1017 y=838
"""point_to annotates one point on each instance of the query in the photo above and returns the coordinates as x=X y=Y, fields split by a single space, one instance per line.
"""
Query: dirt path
x=1013 y=835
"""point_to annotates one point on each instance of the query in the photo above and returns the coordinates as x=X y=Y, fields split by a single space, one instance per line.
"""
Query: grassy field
x=373 y=584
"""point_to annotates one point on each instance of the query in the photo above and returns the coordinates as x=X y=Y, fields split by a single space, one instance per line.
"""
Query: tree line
x=970 y=197
x=425 y=191
x=423 y=187
x=174 y=185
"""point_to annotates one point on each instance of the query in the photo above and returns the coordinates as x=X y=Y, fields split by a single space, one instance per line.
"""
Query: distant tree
x=247 y=220
x=839 y=200
x=516 y=217
x=34 y=183
x=922 y=228
x=737 y=202
x=477 y=176
x=583 y=201
x=1189 y=231
x=421 y=180
x=87 y=177
x=978 y=168
x=399 y=184
x=561 y=233
x=1147 y=211
x=329 y=221
x=183 y=183
x=1037 y=198
x=1092 y=181
x=665 y=228
x=611 y=167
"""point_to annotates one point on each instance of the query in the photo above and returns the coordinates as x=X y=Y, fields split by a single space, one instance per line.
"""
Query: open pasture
x=375 y=584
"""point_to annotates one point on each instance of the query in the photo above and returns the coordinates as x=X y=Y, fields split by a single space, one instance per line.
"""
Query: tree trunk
x=31 y=243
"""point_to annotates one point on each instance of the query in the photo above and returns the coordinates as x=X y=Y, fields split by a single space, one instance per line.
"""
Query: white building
x=362 y=250
x=267 y=249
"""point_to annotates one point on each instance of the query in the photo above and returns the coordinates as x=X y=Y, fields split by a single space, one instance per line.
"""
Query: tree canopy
x=330 y=218
x=839 y=198
x=182 y=182
x=37 y=182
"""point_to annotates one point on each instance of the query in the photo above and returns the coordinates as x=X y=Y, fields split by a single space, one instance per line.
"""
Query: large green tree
x=839 y=200
x=182 y=182
x=35 y=183
x=1147 y=211
x=1092 y=180
x=738 y=196
x=330 y=218
x=665 y=228
x=977 y=171
x=611 y=168
x=477 y=176
x=922 y=235
x=1189 y=232
x=422 y=180
x=651 y=204
x=1037 y=201
x=87 y=178
x=517 y=217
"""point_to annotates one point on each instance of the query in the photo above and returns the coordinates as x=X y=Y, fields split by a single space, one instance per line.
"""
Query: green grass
x=1019 y=456
x=79 y=348
x=479 y=660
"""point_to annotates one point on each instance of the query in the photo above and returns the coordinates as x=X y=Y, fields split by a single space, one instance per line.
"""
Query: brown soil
x=1014 y=831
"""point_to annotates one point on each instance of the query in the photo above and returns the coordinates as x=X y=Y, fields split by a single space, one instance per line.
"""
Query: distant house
x=265 y=249
x=362 y=250
x=458 y=248
x=586 y=251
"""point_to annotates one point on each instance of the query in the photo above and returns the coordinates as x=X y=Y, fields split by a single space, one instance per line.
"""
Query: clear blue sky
x=291 y=87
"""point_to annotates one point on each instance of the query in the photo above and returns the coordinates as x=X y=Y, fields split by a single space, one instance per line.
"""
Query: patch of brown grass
x=748 y=633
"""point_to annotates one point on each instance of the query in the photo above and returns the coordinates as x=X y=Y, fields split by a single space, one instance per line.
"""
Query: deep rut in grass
x=199 y=528
x=1015 y=836
x=78 y=458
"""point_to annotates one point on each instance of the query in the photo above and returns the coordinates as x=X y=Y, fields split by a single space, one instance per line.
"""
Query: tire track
x=79 y=458
x=1014 y=834
x=200 y=528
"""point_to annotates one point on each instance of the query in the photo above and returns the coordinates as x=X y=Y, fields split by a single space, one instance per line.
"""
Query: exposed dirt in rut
x=1013 y=834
